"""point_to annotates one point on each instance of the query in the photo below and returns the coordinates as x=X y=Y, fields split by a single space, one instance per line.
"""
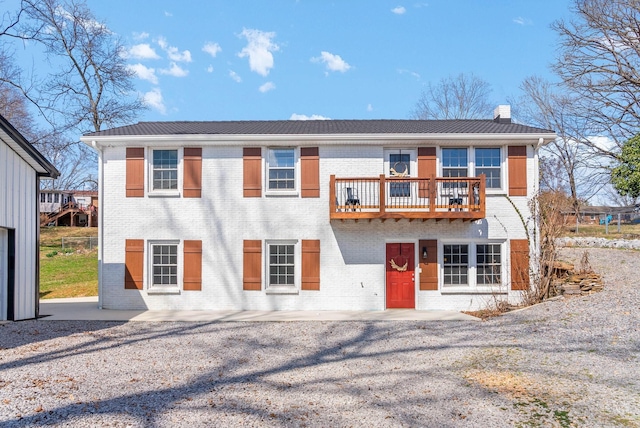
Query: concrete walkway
x=86 y=308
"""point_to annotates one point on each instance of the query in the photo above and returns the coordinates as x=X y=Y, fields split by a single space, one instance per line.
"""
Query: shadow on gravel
x=379 y=362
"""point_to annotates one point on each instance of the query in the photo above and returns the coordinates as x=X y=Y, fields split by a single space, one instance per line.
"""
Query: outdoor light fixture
x=424 y=252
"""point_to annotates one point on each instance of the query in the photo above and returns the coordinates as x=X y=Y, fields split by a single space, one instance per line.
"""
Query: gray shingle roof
x=319 y=127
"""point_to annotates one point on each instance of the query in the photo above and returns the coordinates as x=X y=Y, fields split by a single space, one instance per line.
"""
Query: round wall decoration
x=400 y=169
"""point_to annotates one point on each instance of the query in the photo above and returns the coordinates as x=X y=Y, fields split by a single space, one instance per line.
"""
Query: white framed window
x=164 y=170
x=472 y=266
x=400 y=163
x=488 y=161
x=488 y=264
x=164 y=266
x=281 y=169
x=456 y=264
x=283 y=266
x=455 y=162
x=43 y=197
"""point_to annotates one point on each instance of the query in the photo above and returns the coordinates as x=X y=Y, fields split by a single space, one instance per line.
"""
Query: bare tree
x=600 y=62
x=86 y=83
x=464 y=96
x=570 y=162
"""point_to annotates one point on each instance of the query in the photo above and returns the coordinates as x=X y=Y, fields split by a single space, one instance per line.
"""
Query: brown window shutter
x=310 y=172
x=310 y=264
x=252 y=265
x=133 y=264
x=428 y=266
x=517 y=170
x=252 y=172
x=192 y=172
x=192 y=277
x=135 y=172
x=519 y=264
x=426 y=168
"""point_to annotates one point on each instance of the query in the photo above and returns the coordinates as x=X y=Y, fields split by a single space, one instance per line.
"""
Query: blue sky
x=282 y=59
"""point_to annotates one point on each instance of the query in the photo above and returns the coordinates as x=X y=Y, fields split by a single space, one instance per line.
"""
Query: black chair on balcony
x=352 y=198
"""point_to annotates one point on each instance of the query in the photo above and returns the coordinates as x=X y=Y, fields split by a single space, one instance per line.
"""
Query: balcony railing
x=411 y=198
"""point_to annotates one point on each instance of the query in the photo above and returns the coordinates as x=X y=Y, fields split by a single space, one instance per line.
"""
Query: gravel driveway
x=571 y=362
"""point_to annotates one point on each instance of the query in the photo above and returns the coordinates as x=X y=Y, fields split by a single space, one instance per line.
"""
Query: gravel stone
x=567 y=362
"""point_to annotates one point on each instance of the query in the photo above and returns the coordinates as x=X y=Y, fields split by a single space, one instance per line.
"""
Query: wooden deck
x=384 y=198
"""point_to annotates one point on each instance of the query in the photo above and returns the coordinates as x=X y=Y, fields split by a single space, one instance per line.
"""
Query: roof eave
x=237 y=139
x=40 y=164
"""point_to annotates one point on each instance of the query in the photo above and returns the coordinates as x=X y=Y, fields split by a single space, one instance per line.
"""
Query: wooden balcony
x=459 y=198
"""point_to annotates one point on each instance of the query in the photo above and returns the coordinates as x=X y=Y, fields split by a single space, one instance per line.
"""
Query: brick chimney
x=502 y=114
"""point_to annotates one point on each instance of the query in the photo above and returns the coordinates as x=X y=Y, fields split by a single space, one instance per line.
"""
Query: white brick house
x=316 y=215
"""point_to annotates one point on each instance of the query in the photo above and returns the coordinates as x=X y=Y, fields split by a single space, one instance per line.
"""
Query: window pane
x=281 y=169
x=165 y=169
x=456 y=264
x=165 y=265
x=488 y=261
x=281 y=265
x=282 y=158
x=488 y=163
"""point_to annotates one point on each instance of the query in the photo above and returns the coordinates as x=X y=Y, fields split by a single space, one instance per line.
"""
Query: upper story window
x=488 y=162
x=455 y=162
x=282 y=169
x=43 y=197
x=56 y=198
x=165 y=170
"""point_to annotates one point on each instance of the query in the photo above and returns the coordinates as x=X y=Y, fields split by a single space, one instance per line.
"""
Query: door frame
x=416 y=278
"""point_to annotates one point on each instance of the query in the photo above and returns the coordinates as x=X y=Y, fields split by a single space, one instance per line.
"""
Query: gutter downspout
x=97 y=148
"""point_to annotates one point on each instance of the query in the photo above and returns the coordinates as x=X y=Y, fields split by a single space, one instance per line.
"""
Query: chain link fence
x=79 y=243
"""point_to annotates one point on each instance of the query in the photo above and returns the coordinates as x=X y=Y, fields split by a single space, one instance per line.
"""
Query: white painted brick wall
x=352 y=254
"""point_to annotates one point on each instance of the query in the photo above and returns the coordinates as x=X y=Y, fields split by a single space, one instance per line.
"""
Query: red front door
x=401 y=292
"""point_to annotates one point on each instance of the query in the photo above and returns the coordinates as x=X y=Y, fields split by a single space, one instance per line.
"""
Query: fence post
x=383 y=202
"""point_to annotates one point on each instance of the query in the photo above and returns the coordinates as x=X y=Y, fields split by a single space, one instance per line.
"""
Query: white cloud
x=522 y=21
x=212 y=48
x=210 y=69
x=168 y=14
x=399 y=10
x=154 y=100
x=140 y=36
x=409 y=72
x=333 y=62
x=173 y=52
x=369 y=107
x=175 y=71
x=269 y=86
x=144 y=73
x=142 y=51
x=235 y=76
x=259 y=49
x=296 y=116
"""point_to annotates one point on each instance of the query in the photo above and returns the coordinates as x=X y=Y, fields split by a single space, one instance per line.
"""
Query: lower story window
x=488 y=264
x=281 y=264
x=164 y=265
x=456 y=264
x=472 y=265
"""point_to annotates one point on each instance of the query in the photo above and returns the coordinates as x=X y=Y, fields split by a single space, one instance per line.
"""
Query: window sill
x=282 y=290
x=473 y=290
x=158 y=194
x=289 y=193
x=158 y=290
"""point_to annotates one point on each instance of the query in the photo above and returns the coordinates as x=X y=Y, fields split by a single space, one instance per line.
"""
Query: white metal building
x=21 y=167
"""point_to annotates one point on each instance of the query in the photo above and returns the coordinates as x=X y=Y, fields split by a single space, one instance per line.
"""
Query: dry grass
x=627 y=231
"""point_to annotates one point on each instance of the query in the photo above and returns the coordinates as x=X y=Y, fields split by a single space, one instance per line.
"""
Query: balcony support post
x=383 y=197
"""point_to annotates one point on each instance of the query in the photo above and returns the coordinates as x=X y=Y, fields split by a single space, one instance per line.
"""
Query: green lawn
x=627 y=231
x=67 y=273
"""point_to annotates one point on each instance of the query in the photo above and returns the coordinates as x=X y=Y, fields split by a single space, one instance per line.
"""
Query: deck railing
x=392 y=197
